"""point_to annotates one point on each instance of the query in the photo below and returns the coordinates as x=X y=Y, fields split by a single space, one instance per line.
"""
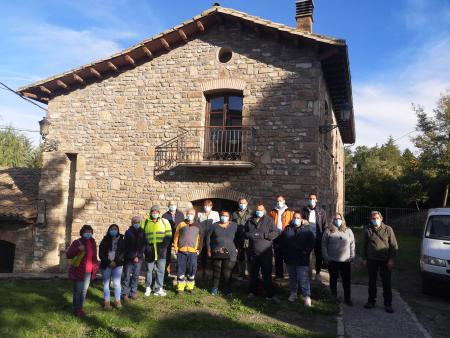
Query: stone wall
x=114 y=126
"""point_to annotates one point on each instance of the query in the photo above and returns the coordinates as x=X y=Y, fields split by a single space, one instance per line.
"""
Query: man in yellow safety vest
x=158 y=234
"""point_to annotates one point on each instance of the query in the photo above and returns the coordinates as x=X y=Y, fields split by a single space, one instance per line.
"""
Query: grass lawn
x=43 y=309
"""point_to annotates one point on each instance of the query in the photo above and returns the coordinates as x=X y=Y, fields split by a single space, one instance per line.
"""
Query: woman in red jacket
x=83 y=270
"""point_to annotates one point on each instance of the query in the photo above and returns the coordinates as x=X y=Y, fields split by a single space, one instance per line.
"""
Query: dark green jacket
x=379 y=244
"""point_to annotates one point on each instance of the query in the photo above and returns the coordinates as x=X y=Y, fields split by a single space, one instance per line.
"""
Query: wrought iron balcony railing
x=206 y=146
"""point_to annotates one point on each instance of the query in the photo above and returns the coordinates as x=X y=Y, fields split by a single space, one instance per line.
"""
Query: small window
x=225 y=54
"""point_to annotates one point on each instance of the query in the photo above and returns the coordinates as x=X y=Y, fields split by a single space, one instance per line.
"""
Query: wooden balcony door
x=223 y=134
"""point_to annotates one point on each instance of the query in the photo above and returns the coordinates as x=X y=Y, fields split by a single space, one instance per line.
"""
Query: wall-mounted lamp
x=44 y=127
x=41 y=219
x=344 y=116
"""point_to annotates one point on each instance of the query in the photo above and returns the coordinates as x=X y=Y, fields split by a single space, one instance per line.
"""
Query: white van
x=435 y=253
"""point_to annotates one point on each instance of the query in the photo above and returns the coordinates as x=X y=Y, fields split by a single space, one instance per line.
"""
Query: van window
x=438 y=227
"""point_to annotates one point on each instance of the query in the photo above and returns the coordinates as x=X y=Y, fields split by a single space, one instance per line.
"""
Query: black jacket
x=240 y=217
x=105 y=247
x=297 y=244
x=179 y=217
x=260 y=235
x=321 y=220
x=134 y=243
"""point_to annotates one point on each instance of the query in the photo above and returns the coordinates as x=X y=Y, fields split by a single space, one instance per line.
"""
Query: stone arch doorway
x=219 y=204
x=7 y=253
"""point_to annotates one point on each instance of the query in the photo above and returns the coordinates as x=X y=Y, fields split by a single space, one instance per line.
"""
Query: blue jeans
x=80 y=288
x=115 y=274
x=160 y=267
x=299 y=275
x=130 y=278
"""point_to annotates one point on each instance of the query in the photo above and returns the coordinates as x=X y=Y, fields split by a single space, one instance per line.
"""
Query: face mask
x=207 y=209
x=224 y=219
x=172 y=208
x=280 y=205
x=376 y=222
x=242 y=206
x=87 y=235
x=190 y=218
x=259 y=213
x=338 y=222
x=137 y=226
x=312 y=203
x=297 y=222
x=113 y=232
x=155 y=216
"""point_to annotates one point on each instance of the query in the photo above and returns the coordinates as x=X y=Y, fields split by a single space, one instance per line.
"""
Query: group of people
x=250 y=241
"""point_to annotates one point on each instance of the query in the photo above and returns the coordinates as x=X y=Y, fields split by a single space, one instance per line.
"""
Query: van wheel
x=427 y=287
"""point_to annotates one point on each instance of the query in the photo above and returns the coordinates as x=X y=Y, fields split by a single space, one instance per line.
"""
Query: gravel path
x=358 y=322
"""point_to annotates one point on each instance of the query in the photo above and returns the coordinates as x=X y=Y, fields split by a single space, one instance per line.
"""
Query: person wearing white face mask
x=206 y=218
x=338 y=250
x=379 y=250
x=240 y=217
x=317 y=219
x=282 y=217
x=187 y=244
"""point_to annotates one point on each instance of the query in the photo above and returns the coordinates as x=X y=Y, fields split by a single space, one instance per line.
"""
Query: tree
x=433 y=142
x=16 y=150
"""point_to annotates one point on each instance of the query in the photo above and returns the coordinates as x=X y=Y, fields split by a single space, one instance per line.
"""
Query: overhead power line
x=21 y=96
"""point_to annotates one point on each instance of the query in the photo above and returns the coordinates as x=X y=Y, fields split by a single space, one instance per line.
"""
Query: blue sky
x=399 y=50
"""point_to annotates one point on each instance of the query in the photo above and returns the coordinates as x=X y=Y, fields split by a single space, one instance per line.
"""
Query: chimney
x=304 y=15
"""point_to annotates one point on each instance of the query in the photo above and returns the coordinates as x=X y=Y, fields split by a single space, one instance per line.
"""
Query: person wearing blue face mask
x=379 y=251
x=83 y=266
x=112 y=256
x=297 y=242
x=338 y=250
x=260 y=231
x=220 y=245
x=134 y=246
x=175 y=217
x=240 y=217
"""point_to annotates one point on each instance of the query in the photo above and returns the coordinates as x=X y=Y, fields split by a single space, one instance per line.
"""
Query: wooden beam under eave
x=45 y=89
x=257 y=30
x=78 y=78
x=200 y=26
x=147 y=52
x=165 y=43
x=95 y=72
x=45 y=99
x=112 y=66
x=62 y=84
x=182 y=35
x=130 y=60
x=29 y=95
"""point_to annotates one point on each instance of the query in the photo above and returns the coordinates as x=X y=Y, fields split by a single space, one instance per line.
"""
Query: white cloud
x=383 y=104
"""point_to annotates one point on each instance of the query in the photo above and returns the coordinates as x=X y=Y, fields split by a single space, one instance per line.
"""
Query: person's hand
x=81 y=247
x=112 y=264
x=209 y=253
x=136 y=260
x=197 y=252
x=390 y=264
x=364 y=263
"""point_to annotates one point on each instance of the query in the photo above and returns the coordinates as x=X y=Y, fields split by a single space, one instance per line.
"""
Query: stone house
x=221 y=106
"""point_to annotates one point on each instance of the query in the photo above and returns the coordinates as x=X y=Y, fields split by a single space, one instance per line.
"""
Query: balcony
x=207 y=147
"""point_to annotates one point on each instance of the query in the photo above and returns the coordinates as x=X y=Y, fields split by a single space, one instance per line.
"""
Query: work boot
x=117 y=304
x=369 y=305
x=125 y=299
x=107 y=305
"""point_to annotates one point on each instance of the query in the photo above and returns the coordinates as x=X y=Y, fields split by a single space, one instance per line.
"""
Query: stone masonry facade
x=104 y=169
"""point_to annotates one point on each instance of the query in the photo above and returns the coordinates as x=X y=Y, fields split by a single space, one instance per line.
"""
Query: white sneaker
x=293 y=297
x=148 y=291
x=318 y=278
x=160 y=293
x=307 y=301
